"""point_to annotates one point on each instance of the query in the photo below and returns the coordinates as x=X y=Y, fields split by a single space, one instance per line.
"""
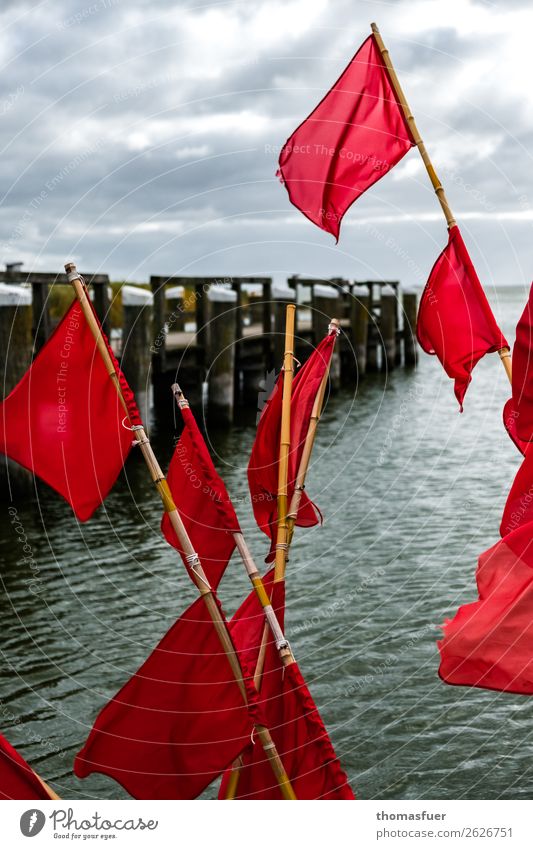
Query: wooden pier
x=220 y=336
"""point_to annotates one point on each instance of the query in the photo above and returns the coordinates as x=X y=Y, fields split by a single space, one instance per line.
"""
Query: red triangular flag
x=518 y=412
x=263 y=463
x=203 y=502
x=355 y=135
x=63 y=420
x=455 y=321
x=489 y=643
x=291 y=714
x=178 y=722
x=17 y=779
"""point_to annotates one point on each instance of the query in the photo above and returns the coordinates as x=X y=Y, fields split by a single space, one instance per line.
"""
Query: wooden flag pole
x=285 y=446
x=334 y=327
x=48 y=789
x=186 y=546
x=291 y=514
x=504 y=353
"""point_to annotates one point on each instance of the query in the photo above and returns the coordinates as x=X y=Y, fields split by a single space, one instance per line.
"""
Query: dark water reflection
x=411 y=491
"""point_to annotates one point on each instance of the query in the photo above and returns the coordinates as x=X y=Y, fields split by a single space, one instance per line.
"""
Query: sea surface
x=411 y=491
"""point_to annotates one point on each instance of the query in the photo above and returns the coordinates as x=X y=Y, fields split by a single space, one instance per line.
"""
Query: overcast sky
x=141 y=138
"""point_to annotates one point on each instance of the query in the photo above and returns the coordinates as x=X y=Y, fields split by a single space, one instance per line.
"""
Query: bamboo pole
x=186 y=546
x=285 y=446
x=292 y=513
x=505 y=354
x=48 y=789
x=316 y=412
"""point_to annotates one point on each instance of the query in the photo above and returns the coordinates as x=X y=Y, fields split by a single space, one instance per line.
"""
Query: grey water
x=411 y=491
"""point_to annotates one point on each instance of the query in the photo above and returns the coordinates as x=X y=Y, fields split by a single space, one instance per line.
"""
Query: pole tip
x=69 y=267
x=176 y=389
x=374 y=27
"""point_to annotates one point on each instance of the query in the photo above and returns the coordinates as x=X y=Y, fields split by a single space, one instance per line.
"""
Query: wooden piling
x=175 y=313
x=41 y=324
x=387 y=327
x=325 y=305
x=15 y=359
x=101 y=299
x=220 y=354
x=409 y=303
x=137 y=305
x=359 y=318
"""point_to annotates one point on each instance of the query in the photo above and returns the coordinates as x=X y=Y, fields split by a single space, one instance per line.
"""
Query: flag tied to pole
x=264 y=458
x=518 y=411
x=289 y=711
x=178 y=722
x=63 y=420
x=488 y=643
x=355 y=135
x=455 y=321
x=17 y=779
x=202 y=501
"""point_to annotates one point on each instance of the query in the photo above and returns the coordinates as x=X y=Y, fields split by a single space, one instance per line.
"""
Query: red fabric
x=455 y=321
x=263 y=464
x=518 y=509
x=17 y=779
x=355 y=135
x=63 y=421
x=490 y=643
x=510 y=416
x=519 y=409
x=290 y=713
x=178 y=722
x=203 y=502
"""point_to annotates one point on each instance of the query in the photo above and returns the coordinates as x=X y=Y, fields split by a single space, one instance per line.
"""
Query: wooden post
x=282 y=296
x=174 y=308
x=409 y=302
x=41 y=315
x=236 y=285
x=220 y=358
x=137 y=305
x=158 y=347
x=200 y=292
x=359 y=315
x=101 y=300
x=505 y=354
x=15 y=359
x=326 y=302
x=387 y=327
x=186 y=546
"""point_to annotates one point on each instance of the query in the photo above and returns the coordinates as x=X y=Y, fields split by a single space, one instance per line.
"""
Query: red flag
x=510 y=416
x=178 y=722
x=490 y=643
x=203 y=502
x=518 y=509
x=355 y=135
x=263 y=464
x=455 y=321
x=518 y=413
x=63 y=420
x=291 y=714
x=17 y=779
